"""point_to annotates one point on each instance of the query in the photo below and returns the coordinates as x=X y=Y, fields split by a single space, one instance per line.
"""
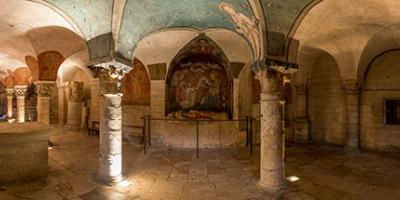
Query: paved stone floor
x=325 y=172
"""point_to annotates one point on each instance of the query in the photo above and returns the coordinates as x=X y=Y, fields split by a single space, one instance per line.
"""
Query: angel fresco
x=248 y=27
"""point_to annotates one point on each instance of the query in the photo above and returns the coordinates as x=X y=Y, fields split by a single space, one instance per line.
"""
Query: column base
x=272 y=189
x=110 y=181
x=301 y=130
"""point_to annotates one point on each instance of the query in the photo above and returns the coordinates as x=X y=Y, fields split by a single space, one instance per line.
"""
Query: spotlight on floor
x=125 y=183
x=293 y=178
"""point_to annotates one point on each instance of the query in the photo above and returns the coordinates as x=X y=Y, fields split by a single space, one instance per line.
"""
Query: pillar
x=272 y=172
x=75 y=98
x=62 y=104
x=236 y=98
x=20 y=91
x=110 y=159
x=44 y=89
x=352 y=98
x=302 y=125
x=10 y=96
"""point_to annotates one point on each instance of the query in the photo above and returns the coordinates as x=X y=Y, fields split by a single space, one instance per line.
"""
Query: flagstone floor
x=325 y=172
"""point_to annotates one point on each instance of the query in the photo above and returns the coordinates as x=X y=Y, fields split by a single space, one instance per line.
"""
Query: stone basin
x=24 y=150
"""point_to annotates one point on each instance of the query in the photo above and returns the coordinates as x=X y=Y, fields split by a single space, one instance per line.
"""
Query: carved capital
x=10 y=92
x=270 y=80
x=20 y=90
x=44 y=88
x=75 y=91
x=111 y=80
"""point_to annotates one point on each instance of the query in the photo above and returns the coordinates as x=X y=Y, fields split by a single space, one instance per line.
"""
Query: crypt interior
x=199 y=99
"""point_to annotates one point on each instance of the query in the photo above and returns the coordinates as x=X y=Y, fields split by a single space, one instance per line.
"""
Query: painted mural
x=280 y=16
x=33 y=65
x=199 y=82
x=136 y=86
x=199 y=90
x=247 y=26
x=139 y=20
x=49 y=62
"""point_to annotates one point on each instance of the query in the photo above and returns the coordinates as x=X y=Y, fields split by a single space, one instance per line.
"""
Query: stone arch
x=326 y=107
x=380 y=83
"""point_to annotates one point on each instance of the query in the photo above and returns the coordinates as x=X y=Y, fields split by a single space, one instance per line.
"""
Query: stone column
x=10 y=96
x=20 y=91
x=352 y=99
x=110 y=159
x=302 y=125
x=43 y=100
x=272 y=172
x=236 y=98
x=75 y=98
x=62 y=105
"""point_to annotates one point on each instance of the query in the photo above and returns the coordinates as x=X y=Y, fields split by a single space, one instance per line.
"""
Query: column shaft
x=110 y=168
x=301 y=132
x=272 y=170
x=10 y=96
x=20 y=93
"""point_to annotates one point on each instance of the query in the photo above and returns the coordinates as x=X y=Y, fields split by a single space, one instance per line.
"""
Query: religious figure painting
x=199 y=90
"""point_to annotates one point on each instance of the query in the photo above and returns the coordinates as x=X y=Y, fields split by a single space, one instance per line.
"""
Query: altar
x=24 y=150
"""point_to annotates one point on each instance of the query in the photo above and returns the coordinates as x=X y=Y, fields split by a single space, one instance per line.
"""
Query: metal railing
x=248 y=128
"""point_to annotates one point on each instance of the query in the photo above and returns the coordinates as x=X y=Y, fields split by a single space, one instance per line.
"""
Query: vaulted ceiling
x=348 y=30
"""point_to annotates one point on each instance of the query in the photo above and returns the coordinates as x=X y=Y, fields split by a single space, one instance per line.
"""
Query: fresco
x=49 y=62
x=199 y=87
x=247 y=26
x=33 y=65
x=136 y=86
x=92 y=16
x=139 y=19
x=280 y=16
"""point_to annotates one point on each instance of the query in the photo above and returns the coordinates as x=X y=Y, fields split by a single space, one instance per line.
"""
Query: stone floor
x=325 y=172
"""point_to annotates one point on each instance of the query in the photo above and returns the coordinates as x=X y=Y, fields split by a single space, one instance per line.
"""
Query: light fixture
x=293 y=178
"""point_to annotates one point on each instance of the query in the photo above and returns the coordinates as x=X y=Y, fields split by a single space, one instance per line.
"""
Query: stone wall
x=131 y=114
x=326 y=102
x=382 y=81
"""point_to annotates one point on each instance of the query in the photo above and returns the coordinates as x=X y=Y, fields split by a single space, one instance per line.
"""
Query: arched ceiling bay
x=143 y=17
x=343 y=29
x=162 y=46
x=17 y=19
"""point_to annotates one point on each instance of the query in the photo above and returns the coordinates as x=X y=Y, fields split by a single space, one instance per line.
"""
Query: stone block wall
x=326 y=107
x=382 y=81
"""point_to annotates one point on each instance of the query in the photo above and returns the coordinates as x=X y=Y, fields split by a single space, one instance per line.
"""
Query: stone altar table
x=24 y=150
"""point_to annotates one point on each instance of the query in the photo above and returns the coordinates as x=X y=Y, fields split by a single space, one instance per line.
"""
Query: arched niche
x=199 y=82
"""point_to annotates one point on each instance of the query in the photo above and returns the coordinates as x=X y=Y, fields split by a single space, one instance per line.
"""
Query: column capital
x=44 y=88
x=111 y=80
x=20 y=90
x=10 y=92
x=351 y=85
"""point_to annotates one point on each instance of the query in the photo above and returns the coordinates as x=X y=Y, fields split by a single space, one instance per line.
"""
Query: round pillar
x=20 y=91
x=272 y=170
x=10 y=96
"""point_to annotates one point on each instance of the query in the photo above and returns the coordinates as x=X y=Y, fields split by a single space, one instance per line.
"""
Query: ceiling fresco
x=280 y=16
x=139 y=19
x=92 y=16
